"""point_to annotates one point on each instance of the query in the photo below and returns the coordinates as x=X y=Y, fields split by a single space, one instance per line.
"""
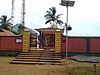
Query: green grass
x=81 y=68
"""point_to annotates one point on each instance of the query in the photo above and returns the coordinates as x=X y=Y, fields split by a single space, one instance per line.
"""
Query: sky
x=84 y=17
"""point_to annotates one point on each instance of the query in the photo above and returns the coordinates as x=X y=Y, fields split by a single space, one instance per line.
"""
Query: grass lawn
x=70 y=67
x=81 y=68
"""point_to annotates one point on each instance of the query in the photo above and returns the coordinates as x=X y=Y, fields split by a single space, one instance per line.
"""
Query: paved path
x=86 y=58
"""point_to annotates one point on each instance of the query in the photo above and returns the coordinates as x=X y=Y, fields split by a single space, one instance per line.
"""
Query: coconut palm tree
x=4 y=23
x=52 y=18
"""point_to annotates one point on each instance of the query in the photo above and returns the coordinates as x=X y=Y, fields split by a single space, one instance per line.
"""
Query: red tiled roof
x=5 y=32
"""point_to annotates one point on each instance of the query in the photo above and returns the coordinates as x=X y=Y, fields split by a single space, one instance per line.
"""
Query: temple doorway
x=49 y=40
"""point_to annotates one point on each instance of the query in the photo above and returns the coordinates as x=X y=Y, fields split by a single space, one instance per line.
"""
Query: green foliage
x=21 y=28
x=4 y=23
x=52 y=18
x=16 y=33
x=81 y=70
x=73 y=67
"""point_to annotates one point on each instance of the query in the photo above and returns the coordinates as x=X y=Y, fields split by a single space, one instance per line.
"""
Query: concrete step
x=31 y=60
x=39 y=54
x=30 y=53
x=38 y=63
x=57 y=61
x=41 y=50
x=38 y=49
x=39 y=58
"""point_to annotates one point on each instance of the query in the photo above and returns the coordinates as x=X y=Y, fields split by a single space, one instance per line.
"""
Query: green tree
x=21 y=28
x=4 y=23
x=52 y=18
x=18 y=30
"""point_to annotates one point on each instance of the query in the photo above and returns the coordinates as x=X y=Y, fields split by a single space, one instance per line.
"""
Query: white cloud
x=86 y=18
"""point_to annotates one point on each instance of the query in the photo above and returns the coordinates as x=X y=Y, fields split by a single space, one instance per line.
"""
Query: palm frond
x=9 y=19
x=48 y=12
x=48 y=21
x=58 y=16
x=51 y=16
x=48 y=16
x=59 y=22
x=5 y=24
x=53 y=10
x=4 y=17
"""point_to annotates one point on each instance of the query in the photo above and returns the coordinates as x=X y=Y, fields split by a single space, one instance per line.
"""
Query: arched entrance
x=48 y=38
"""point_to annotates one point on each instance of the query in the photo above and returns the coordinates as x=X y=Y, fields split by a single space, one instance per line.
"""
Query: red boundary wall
x=9 y=43
x=76 y=45
x=95 y=45
x=81 y=44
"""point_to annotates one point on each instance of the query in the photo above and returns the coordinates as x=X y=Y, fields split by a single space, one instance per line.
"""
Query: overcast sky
x=84 y=17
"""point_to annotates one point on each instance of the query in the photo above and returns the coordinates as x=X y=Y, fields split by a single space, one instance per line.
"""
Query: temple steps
x=38 y=56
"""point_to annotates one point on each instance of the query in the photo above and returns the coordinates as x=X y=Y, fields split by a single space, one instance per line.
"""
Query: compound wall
x=81 y=44
x=9 y=45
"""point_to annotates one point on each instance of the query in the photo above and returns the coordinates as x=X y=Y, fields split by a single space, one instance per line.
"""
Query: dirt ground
x=19 y=69
x=70 y=67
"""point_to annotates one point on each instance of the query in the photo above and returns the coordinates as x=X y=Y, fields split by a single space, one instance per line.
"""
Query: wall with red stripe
x=9 y=43
x=95 y=45
x=81 y=44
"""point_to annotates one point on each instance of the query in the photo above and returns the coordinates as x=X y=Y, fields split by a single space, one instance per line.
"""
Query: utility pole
x=23 y=13
x=23 y=16
x=12 y=12
x=67 y=3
